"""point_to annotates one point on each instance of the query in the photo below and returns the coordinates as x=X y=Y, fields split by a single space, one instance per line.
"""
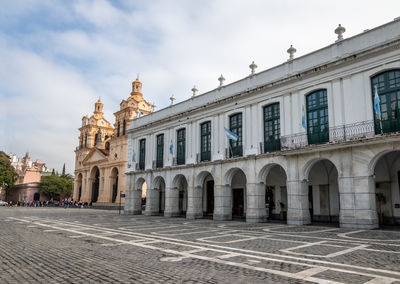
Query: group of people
x=66 y=203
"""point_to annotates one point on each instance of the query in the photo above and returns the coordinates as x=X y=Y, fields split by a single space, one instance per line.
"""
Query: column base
x=251 y=219
x=354 y=223
x=146 y=213
x=222 y=217
x=193 y=216
x=172 y=214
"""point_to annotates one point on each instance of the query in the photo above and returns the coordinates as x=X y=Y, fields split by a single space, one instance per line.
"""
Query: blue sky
x=58 y=57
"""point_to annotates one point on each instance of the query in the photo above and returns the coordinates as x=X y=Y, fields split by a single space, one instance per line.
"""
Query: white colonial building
x=311 y=146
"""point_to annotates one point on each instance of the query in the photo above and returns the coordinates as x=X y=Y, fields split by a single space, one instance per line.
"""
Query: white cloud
x=74 y=52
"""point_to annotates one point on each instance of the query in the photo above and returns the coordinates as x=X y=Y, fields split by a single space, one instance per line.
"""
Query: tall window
x=124 y=127
x=388 y=86
x=317 y=117
x=85 y=140
x=160 y=151
x=181 y=146
x=142 y=153
x=272 y=128
x=205 y=141
x=235 y=125
x=119 y=126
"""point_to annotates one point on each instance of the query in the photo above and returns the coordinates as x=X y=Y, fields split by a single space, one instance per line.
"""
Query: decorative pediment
x=94 y=156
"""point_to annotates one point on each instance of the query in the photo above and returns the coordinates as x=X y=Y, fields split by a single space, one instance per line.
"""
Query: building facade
x=101 y=157
x=307 y=144
x=29 y=173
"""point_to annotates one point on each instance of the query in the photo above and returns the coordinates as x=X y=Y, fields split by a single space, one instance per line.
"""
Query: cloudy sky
x=58 y=57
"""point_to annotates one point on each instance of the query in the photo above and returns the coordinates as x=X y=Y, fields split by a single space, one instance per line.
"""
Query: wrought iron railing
x=343 y=133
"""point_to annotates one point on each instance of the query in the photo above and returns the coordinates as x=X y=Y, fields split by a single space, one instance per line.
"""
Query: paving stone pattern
x=55 y=245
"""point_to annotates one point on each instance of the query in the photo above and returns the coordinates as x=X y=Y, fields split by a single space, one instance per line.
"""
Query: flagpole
x=380 y=123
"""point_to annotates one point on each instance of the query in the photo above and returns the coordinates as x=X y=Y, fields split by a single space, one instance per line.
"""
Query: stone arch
x=264 y=172
x=180 y=183
x=305 y=172
x=204 y=197
x=321 y=177
x=114 y=184
x=155 y=197
x=274 y=178
x=385 y=186
x=377 y=157
x=95 y=183
x=229 y=174
x=237 y=180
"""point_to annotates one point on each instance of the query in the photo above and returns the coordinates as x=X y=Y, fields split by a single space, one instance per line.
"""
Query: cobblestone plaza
x=55 y=245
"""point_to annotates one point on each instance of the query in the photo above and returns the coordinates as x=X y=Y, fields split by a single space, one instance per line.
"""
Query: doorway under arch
x=387 y=188
x=323 y=192
x=114 y=184
x=276 y=193
x=79 y=185
x=181 y=184
x=95 y=176
x=239 y=195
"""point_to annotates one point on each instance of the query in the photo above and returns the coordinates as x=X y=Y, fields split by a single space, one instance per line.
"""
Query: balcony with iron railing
x=344 y=133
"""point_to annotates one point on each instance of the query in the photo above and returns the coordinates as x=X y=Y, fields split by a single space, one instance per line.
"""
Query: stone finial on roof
x=221 y=80
x=291 y=52
x=194 y=90
x=253 y=68
x=172 y=99
x=339 y=31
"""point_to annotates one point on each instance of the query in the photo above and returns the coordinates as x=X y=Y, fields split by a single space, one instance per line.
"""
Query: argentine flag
x=303 y=118
x=377 y=102
x=171 y=148
x=230 y=135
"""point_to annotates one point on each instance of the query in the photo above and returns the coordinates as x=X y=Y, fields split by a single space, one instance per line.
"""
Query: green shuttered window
x=388 y=85
x=272 y=128
x=205 y=142
x=142 y=153
x=317 y=117
x=235 y=125
x=181 y=146
x=160 y=151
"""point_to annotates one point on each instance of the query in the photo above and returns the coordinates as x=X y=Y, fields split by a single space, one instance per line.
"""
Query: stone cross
x=194 y=90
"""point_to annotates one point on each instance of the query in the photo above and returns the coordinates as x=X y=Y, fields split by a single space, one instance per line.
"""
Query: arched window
x=81 y=144
x=119 y=126
x=388 y=87
x=85 y=140
x=317 y=117
x=123 y=127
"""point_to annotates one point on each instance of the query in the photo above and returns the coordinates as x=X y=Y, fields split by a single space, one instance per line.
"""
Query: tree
x=53 y=185
x=63 y=170
x=8 y=176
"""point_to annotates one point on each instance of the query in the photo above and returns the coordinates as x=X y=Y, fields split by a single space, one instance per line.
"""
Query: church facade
x=101 y=157
x=315 y=138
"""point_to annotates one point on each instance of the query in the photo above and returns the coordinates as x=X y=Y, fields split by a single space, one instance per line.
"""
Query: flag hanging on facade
x=303 y=118
x=230 y=135
x=377 y=105
x=171 y=148
x=133 y=156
